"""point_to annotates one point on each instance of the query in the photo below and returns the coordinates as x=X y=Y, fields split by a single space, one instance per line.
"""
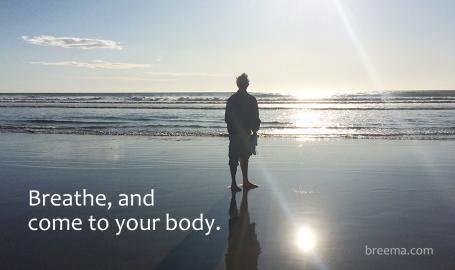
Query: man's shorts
x=239 y=148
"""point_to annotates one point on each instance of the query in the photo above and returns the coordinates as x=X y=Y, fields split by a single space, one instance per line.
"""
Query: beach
x=227 y=135
x=350 y=194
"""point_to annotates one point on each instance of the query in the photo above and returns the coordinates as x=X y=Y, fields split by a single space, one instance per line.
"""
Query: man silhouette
x=242 y=119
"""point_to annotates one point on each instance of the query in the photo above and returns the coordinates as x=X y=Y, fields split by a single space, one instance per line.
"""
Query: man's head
x=243 y=82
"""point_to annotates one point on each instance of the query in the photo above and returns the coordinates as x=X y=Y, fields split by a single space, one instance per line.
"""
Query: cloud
x=95 y=64
x=73 y=42
x=181 y=74
x=158 y=76
x=134 y=78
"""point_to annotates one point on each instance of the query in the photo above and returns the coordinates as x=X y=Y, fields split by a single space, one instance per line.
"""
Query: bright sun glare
x=306 y=239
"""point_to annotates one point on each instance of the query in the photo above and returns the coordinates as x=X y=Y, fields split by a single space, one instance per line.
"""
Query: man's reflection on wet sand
x=243 y=245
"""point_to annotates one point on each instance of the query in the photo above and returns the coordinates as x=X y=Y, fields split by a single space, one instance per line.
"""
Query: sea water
x=387 y=115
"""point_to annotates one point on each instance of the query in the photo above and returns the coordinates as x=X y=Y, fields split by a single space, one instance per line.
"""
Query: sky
x=202 y=45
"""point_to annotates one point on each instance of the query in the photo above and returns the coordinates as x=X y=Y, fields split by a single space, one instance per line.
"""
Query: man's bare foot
x=235 y=188
x=249 y=185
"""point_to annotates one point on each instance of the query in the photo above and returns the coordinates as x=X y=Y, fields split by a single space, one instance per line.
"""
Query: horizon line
x=225 y=91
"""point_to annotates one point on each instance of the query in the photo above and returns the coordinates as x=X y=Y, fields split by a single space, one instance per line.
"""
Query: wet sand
x=346 y=195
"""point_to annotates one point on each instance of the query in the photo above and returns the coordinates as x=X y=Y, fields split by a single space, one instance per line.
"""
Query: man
x=242 y=118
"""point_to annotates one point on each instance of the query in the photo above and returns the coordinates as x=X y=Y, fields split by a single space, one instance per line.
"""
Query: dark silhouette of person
x=242 y=119
x=243 y=245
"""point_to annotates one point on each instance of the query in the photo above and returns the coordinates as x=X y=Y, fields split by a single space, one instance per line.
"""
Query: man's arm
x=227 y=116
x=256 y=121
x=227 y=113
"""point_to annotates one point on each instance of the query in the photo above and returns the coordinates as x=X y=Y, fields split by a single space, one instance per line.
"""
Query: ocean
x=387 y=115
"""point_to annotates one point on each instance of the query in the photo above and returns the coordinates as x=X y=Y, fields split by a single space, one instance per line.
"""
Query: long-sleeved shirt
x=242 y=114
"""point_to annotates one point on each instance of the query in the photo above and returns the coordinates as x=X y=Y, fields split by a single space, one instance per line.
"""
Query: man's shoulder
x=251 y=98
x=233 y=97
x=241 y=97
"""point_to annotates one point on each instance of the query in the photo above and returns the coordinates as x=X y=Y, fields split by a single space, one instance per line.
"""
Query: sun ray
x=360 y=50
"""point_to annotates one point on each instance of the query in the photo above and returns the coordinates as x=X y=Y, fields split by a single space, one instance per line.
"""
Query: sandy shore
x=347 y=194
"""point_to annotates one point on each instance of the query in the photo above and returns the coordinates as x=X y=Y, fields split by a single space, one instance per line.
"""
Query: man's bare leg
x=234 y=186
x=244 y=166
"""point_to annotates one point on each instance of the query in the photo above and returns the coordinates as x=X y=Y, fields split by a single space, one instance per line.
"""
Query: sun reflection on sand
x=306 y=239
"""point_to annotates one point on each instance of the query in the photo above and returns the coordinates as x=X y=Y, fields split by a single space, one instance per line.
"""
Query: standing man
x=242 y=119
